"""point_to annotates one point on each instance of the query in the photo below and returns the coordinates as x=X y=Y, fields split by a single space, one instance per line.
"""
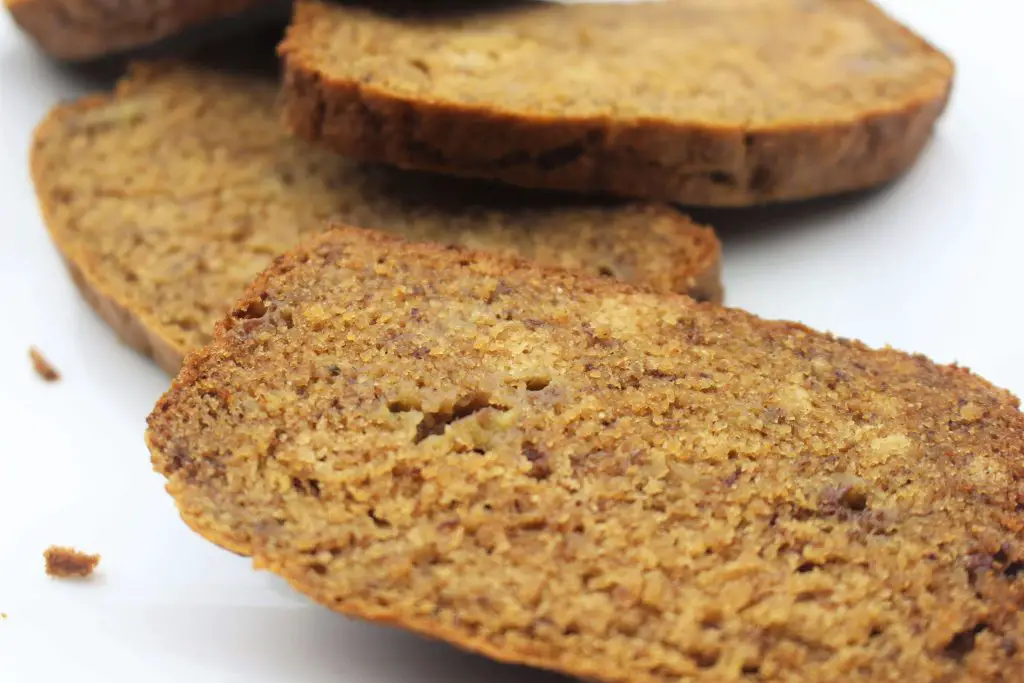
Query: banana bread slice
x=704 y=102
x=169 y=196
x=564 y=471
x=78 y=30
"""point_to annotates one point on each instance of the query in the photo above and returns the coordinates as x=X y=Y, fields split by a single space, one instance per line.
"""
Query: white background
x=930 y=264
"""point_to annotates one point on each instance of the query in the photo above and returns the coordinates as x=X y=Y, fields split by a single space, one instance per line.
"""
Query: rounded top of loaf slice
x=170 y=195
x=753 y=64
x=566 y=472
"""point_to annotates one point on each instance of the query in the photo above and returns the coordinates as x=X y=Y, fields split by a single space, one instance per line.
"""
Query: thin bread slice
x=567 y=472
x=79 y=30
x=169 y=196
x=704 y=102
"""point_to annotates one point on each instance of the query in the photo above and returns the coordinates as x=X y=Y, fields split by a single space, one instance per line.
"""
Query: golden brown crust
x=67 y=563
x=88 y=29
x=698 y=162
x=160 y=234
x=567 y=472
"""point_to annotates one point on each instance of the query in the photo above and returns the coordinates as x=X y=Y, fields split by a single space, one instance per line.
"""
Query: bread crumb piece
x=3 y=615
x=42 y=366
x=64 y=563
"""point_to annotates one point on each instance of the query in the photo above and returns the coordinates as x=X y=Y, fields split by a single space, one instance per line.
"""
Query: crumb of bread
x=64 y=563
x=42 y=366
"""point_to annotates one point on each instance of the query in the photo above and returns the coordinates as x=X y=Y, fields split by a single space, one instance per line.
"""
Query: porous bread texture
x=704 y=102
x=567 y=472
x=168 y=197
x=79 y=30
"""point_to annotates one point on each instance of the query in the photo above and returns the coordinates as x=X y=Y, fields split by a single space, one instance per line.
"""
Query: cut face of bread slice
x=562 y=471
x=704 y=102
x=169 y=196
x=79 y=30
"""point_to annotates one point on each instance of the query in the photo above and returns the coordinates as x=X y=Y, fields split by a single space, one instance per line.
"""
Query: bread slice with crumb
x=704 y=102
x=167 y=197
x=567 y=472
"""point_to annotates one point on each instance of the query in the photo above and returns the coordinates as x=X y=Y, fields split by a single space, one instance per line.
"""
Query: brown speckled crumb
x=66 y=563
x=42 y=366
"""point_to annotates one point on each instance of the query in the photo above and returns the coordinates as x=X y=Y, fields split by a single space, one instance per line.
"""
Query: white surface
x=931 y=264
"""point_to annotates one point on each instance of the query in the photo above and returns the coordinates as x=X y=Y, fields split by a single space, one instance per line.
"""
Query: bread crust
x=664 y=159
x=114 y=299
x=205 y=477
x=79 y=30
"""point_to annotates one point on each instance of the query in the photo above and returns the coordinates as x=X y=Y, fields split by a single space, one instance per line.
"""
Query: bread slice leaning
x=704 y=102
x=78 y=30
x=563 y=471
x=167 y=197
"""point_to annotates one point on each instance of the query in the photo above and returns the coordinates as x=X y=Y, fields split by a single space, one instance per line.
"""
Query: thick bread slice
x=88 y=29
x=713 y=102
x=564 y=471
x=169 y=196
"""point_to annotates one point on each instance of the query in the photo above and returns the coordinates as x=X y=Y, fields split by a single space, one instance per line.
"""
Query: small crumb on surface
x=64 y=563
x=42 y=366
x=3 y=615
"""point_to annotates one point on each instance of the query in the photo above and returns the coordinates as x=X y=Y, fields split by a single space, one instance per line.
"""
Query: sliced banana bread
x=712 y=102
x=169 y=196
x=563 y=471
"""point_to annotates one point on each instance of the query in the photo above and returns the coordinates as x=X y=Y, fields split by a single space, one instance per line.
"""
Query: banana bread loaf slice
x=705 y=102
x=564 y=471
x=77 y=30
x=169 y=196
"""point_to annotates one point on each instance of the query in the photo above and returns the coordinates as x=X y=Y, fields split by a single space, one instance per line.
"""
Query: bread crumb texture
x=42 y=366
x=713 y=102
x=567 y=472
x=68 y=563
x=87 y=29
x=168 y=197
